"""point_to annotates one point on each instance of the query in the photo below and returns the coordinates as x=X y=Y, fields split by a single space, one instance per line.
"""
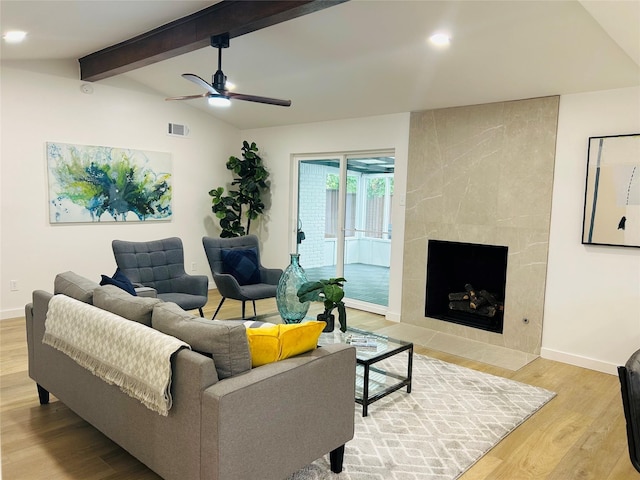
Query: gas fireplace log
x=480 y=302
x=464 y=306
x=458 y=296
x=489 y=298
x=475 y=301
x=460 y=305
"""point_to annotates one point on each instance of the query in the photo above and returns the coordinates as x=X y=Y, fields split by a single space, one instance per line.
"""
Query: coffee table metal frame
x=372 y=389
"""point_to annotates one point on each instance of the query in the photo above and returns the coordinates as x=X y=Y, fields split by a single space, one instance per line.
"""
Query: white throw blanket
x=128 y=354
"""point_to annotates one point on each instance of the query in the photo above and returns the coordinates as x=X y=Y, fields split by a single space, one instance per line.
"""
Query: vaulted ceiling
x=358 y=58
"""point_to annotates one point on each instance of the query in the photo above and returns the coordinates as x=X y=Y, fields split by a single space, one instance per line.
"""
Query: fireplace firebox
x=466 y=284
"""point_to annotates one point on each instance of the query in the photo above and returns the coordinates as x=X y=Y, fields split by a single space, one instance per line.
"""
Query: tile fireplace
x=481 y=178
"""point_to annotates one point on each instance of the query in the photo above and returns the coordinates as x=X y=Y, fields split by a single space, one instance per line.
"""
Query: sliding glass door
x=344 y=223
x=318 y=229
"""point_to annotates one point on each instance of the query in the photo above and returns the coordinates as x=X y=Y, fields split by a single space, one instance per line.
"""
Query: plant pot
x=330 y=319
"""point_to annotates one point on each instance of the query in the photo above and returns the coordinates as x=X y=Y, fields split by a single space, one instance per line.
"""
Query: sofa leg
x=336 y=457
x=43 y=395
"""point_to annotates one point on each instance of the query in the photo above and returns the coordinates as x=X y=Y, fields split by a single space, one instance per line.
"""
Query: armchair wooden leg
x=255 y=314
x=201 y=313
x=243 y=308
x=218 y=309
x=336 y=458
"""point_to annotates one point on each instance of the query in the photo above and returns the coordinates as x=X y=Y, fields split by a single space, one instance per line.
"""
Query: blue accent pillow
x=120 y=280
x=242 y=264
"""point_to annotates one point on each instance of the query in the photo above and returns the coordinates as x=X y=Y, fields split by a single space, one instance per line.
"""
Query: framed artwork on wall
x=612 y=192
x=90 y=183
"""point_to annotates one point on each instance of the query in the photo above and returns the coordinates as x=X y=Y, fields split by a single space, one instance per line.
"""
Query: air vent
x=178 y=130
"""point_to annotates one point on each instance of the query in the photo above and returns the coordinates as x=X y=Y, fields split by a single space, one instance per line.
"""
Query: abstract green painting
x=106 y=184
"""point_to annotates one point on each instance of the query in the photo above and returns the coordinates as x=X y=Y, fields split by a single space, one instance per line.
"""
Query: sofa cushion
x=226 y=344
x=75 y=286
x=242 y=264
x=120 y=280
x=270 y=344
x=116 y=300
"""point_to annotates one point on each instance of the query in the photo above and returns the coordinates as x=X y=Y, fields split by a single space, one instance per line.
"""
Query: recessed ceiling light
x=440 y=39
x=14 y=36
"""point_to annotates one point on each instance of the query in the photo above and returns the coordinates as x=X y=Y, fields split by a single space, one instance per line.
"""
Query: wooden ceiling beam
x=194 y=32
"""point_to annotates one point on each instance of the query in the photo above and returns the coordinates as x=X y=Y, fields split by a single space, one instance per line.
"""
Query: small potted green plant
x=330 y=292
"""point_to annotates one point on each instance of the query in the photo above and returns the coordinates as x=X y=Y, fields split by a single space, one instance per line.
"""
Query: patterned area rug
x=452 y=417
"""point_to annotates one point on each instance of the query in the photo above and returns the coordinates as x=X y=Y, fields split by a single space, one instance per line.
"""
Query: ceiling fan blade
x=188 y=97
x=199 y=81
x=257 y=99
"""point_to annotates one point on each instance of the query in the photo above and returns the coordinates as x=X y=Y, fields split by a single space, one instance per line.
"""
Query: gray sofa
x=227 y=422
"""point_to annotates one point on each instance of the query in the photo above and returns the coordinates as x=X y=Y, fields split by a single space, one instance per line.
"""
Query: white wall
x=592 y=302
x=279 y=144
x=42 y=101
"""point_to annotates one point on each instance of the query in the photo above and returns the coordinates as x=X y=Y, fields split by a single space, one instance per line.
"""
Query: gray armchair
x=159 y=264
x=263 y=285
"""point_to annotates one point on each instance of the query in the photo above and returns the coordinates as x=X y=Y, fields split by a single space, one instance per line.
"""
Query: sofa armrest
x=275 y=419
x=35 y=316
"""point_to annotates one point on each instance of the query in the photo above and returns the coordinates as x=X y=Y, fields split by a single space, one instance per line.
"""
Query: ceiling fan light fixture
x=440 y=39
x=218 y=101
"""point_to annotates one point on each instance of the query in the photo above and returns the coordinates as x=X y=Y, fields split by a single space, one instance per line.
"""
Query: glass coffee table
x=372 y=382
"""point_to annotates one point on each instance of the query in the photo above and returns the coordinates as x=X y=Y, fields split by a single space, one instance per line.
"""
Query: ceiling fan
x=216 y=91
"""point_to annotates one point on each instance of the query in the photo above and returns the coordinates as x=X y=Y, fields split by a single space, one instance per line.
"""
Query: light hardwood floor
x=580 y=434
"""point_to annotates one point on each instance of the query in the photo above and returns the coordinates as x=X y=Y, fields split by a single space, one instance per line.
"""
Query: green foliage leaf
x=333 y=293
x=310 y=292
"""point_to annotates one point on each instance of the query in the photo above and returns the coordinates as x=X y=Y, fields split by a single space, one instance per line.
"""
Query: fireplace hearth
x=466 y=284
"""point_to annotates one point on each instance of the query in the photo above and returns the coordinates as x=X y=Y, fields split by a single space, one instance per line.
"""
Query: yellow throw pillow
x=264 y=344
x=270 y=344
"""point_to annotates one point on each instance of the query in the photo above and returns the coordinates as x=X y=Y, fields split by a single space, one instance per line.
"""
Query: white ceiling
x=362 y=57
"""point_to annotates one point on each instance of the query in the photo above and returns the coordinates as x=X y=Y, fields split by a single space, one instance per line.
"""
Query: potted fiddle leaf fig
x=250 y=183
x=330 y=292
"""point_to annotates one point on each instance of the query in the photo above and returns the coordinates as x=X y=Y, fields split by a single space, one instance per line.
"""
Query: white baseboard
x=579 y=361
x=11 y=313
